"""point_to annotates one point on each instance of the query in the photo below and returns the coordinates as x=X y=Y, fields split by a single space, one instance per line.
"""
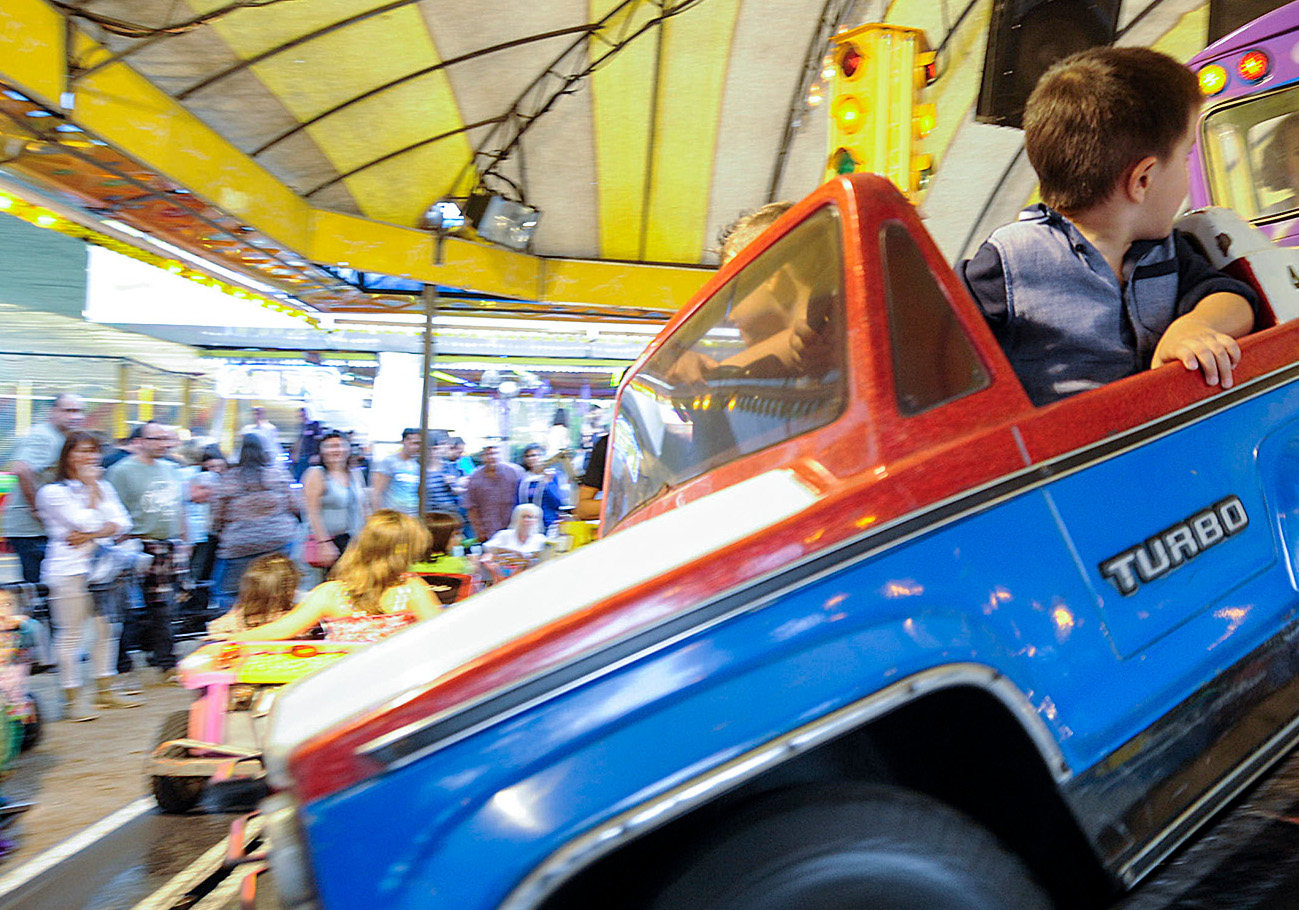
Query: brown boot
x=106 y=697
x=73 y=709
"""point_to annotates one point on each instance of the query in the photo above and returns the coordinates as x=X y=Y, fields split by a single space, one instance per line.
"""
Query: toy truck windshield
x=760 y=362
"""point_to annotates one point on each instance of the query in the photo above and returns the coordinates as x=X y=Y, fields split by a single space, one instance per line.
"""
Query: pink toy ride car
x=220 y=736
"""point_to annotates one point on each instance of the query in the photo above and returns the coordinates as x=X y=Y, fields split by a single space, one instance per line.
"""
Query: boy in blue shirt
x=1094 y=284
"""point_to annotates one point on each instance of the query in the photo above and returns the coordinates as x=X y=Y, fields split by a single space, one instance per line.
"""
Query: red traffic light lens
x=849 y=61
x=1254 y=66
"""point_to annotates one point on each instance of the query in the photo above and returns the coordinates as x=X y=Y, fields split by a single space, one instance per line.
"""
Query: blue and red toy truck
x=867 y=628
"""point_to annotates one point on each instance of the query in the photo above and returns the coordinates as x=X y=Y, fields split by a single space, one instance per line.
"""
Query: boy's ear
x=1137 y=180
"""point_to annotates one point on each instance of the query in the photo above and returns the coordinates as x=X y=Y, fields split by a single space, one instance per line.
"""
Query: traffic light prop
x=1025 y=38
x=878 y=115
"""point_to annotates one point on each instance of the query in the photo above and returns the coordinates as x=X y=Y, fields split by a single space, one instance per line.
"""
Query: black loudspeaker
x=1025 y=38
x=1225 y=16
x=476 y=207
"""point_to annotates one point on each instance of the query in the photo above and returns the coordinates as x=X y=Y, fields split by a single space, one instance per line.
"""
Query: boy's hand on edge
x=1199 y=346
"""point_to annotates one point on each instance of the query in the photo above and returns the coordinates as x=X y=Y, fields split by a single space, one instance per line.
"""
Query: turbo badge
x=1174 y=546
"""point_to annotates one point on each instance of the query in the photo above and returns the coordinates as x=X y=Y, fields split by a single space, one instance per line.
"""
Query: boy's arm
x=1216 y=309
x=1205 y=338
x=985 y=279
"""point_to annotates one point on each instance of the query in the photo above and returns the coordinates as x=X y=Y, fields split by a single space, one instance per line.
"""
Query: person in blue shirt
x=539 y=486
x=1094 y=284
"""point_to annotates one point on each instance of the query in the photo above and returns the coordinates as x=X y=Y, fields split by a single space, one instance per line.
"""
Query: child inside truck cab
x=1093 y=284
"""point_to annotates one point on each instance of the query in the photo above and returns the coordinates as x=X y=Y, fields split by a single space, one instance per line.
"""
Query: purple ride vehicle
x=1246 y=156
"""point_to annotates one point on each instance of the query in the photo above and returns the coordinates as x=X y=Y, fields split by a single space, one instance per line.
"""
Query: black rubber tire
x=176 y=795
x=32 y=728
x=851 y=848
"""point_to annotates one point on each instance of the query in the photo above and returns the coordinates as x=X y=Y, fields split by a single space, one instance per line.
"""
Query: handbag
x=317 y=556
x=108 y=561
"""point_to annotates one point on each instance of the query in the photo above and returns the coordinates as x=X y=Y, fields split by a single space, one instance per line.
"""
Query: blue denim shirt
x=1060 y=313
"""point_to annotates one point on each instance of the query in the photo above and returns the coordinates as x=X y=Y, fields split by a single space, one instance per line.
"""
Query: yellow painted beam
x=125 y=110
x=1186 y=38
x=658 y=286
x=31 y=48
x=360 y=243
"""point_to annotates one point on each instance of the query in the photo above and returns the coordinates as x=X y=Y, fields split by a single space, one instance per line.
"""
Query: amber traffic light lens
x=1213 y=79
x=847 y=113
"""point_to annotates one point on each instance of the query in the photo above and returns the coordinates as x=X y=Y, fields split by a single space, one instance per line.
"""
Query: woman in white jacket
x=78 y=509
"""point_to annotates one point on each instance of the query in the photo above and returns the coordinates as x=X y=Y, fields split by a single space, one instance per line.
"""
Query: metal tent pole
x=430 y=298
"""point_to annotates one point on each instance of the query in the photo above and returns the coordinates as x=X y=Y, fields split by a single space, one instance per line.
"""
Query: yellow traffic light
x=878 y=78
x=925 y=118
x=847 y=113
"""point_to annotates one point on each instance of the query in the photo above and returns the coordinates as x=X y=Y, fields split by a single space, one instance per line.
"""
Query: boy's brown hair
x=1098 y=112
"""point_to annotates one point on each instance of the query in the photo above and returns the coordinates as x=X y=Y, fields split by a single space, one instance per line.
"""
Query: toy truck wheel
x=175 y=795
x=852 y=848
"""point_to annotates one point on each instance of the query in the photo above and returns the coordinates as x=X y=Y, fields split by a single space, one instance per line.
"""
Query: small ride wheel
x=32 y=725
x=851 y=847
x=175 y=795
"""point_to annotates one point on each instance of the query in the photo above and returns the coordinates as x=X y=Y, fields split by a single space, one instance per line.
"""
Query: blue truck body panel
x=1014 y=586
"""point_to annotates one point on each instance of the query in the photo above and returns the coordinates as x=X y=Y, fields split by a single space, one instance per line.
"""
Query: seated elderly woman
x=371 y=591
x=523 y=539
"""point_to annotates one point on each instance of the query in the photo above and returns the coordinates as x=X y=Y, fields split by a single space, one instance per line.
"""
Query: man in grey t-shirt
x=394 y=482
x=149 y=485
x=33 y=462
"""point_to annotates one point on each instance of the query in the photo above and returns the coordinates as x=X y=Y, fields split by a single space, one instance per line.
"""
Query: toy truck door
x=1169 y=517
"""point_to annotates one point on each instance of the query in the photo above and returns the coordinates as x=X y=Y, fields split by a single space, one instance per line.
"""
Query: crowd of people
x=118 y=537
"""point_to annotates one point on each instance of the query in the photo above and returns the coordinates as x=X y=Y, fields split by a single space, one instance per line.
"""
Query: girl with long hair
x=371 y=581
x=266 y=592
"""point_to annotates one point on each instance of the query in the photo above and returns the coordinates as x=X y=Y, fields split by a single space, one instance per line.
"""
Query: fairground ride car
x=1246 y=153
x=219 y=737
x=868 y=628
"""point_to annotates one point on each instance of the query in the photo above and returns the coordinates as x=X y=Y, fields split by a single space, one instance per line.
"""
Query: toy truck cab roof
x=897 y=358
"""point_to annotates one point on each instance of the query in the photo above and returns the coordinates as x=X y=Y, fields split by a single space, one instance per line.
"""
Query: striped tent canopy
x=282 y=136
x=638 y=128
